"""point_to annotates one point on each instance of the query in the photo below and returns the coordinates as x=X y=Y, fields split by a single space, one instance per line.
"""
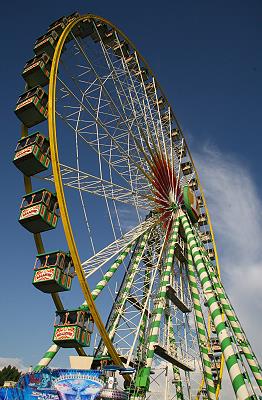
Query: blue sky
x=207 y=56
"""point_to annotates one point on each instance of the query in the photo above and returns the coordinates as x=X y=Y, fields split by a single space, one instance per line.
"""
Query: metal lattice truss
x=86 y=182
x=113 y=105
x=119 y=121
x=123 y=154
x=103 y=256
x=128 y=322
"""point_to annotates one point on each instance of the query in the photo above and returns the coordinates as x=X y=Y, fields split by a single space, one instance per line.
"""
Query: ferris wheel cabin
x=31 y=106
x=73 y=328
x=37 y=70
x=46 y=43
x=58 y=25
x=53 y=272
x=99 y=32
x=82 y=29
x=39 y=211
x=32 y=154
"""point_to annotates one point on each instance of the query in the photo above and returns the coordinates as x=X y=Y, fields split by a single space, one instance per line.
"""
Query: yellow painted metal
x=59 y=185
x=62 y=201
x=96 y=17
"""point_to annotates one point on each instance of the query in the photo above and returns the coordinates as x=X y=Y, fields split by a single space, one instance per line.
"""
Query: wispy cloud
x=236 y=213
x=14 y=362
x=129 y=218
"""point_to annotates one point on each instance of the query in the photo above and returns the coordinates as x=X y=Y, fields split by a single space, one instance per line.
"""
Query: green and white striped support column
x=48 y=357
x=176 y=372
x=234 y=371
x=108 y=275
x=201 y=329
x=120 y=305
x=52 y=351
x=141 y=338
x=142 y=380
x=234 y=322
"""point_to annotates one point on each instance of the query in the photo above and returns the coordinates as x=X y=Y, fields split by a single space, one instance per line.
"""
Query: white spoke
x=103 y=256
x=83 y=181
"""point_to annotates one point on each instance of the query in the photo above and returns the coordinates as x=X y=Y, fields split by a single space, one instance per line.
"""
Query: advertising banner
x=46 y=274
x=30 y=211
x=57 y=384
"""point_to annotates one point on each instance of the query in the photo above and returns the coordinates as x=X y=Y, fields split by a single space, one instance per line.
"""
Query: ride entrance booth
x=32 y=154
x=53 y=272
x=73 y=328
x=39 y=211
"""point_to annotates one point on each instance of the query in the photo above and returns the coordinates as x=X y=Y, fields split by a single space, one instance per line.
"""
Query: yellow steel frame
x=60 y=192
x=61 y=197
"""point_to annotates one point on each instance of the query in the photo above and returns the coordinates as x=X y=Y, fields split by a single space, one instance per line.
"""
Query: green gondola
x=31 y=106
x=46 y=43
x=37 y=70
x=32 y=154
x=73 y=328
x=58 y=26
x=39 y=211
x=53 y=272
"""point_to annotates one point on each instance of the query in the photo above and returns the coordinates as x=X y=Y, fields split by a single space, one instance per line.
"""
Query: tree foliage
x=9 y=374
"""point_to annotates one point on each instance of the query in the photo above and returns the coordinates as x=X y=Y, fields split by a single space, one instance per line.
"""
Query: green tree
x=9 y=373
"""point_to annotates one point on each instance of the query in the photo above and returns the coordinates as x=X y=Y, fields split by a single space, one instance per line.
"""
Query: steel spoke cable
x=111 y=65
x=80 y=192
x=97 y=76
x=103 y=126
x=147 y=100
x=101 y=175
x=93 y=184
x=128 y=152
x=133 y=86
x=99 y=259
x=105 y=198
x=160 y=121
x=122 y=151
x=134 y=90
x=107 y=60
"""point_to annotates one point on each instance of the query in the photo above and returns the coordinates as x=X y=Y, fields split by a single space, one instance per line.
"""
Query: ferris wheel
x=102 y=150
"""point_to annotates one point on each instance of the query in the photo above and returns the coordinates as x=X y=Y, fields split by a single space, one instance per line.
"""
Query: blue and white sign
x=57 y=384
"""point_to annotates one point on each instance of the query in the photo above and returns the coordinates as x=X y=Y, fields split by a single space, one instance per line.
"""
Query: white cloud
x=129 y=218
x=14 y=362
x=236 y=214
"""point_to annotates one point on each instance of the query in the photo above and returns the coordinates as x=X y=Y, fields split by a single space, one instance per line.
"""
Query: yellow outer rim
x=59 y=185
x=61 y=196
